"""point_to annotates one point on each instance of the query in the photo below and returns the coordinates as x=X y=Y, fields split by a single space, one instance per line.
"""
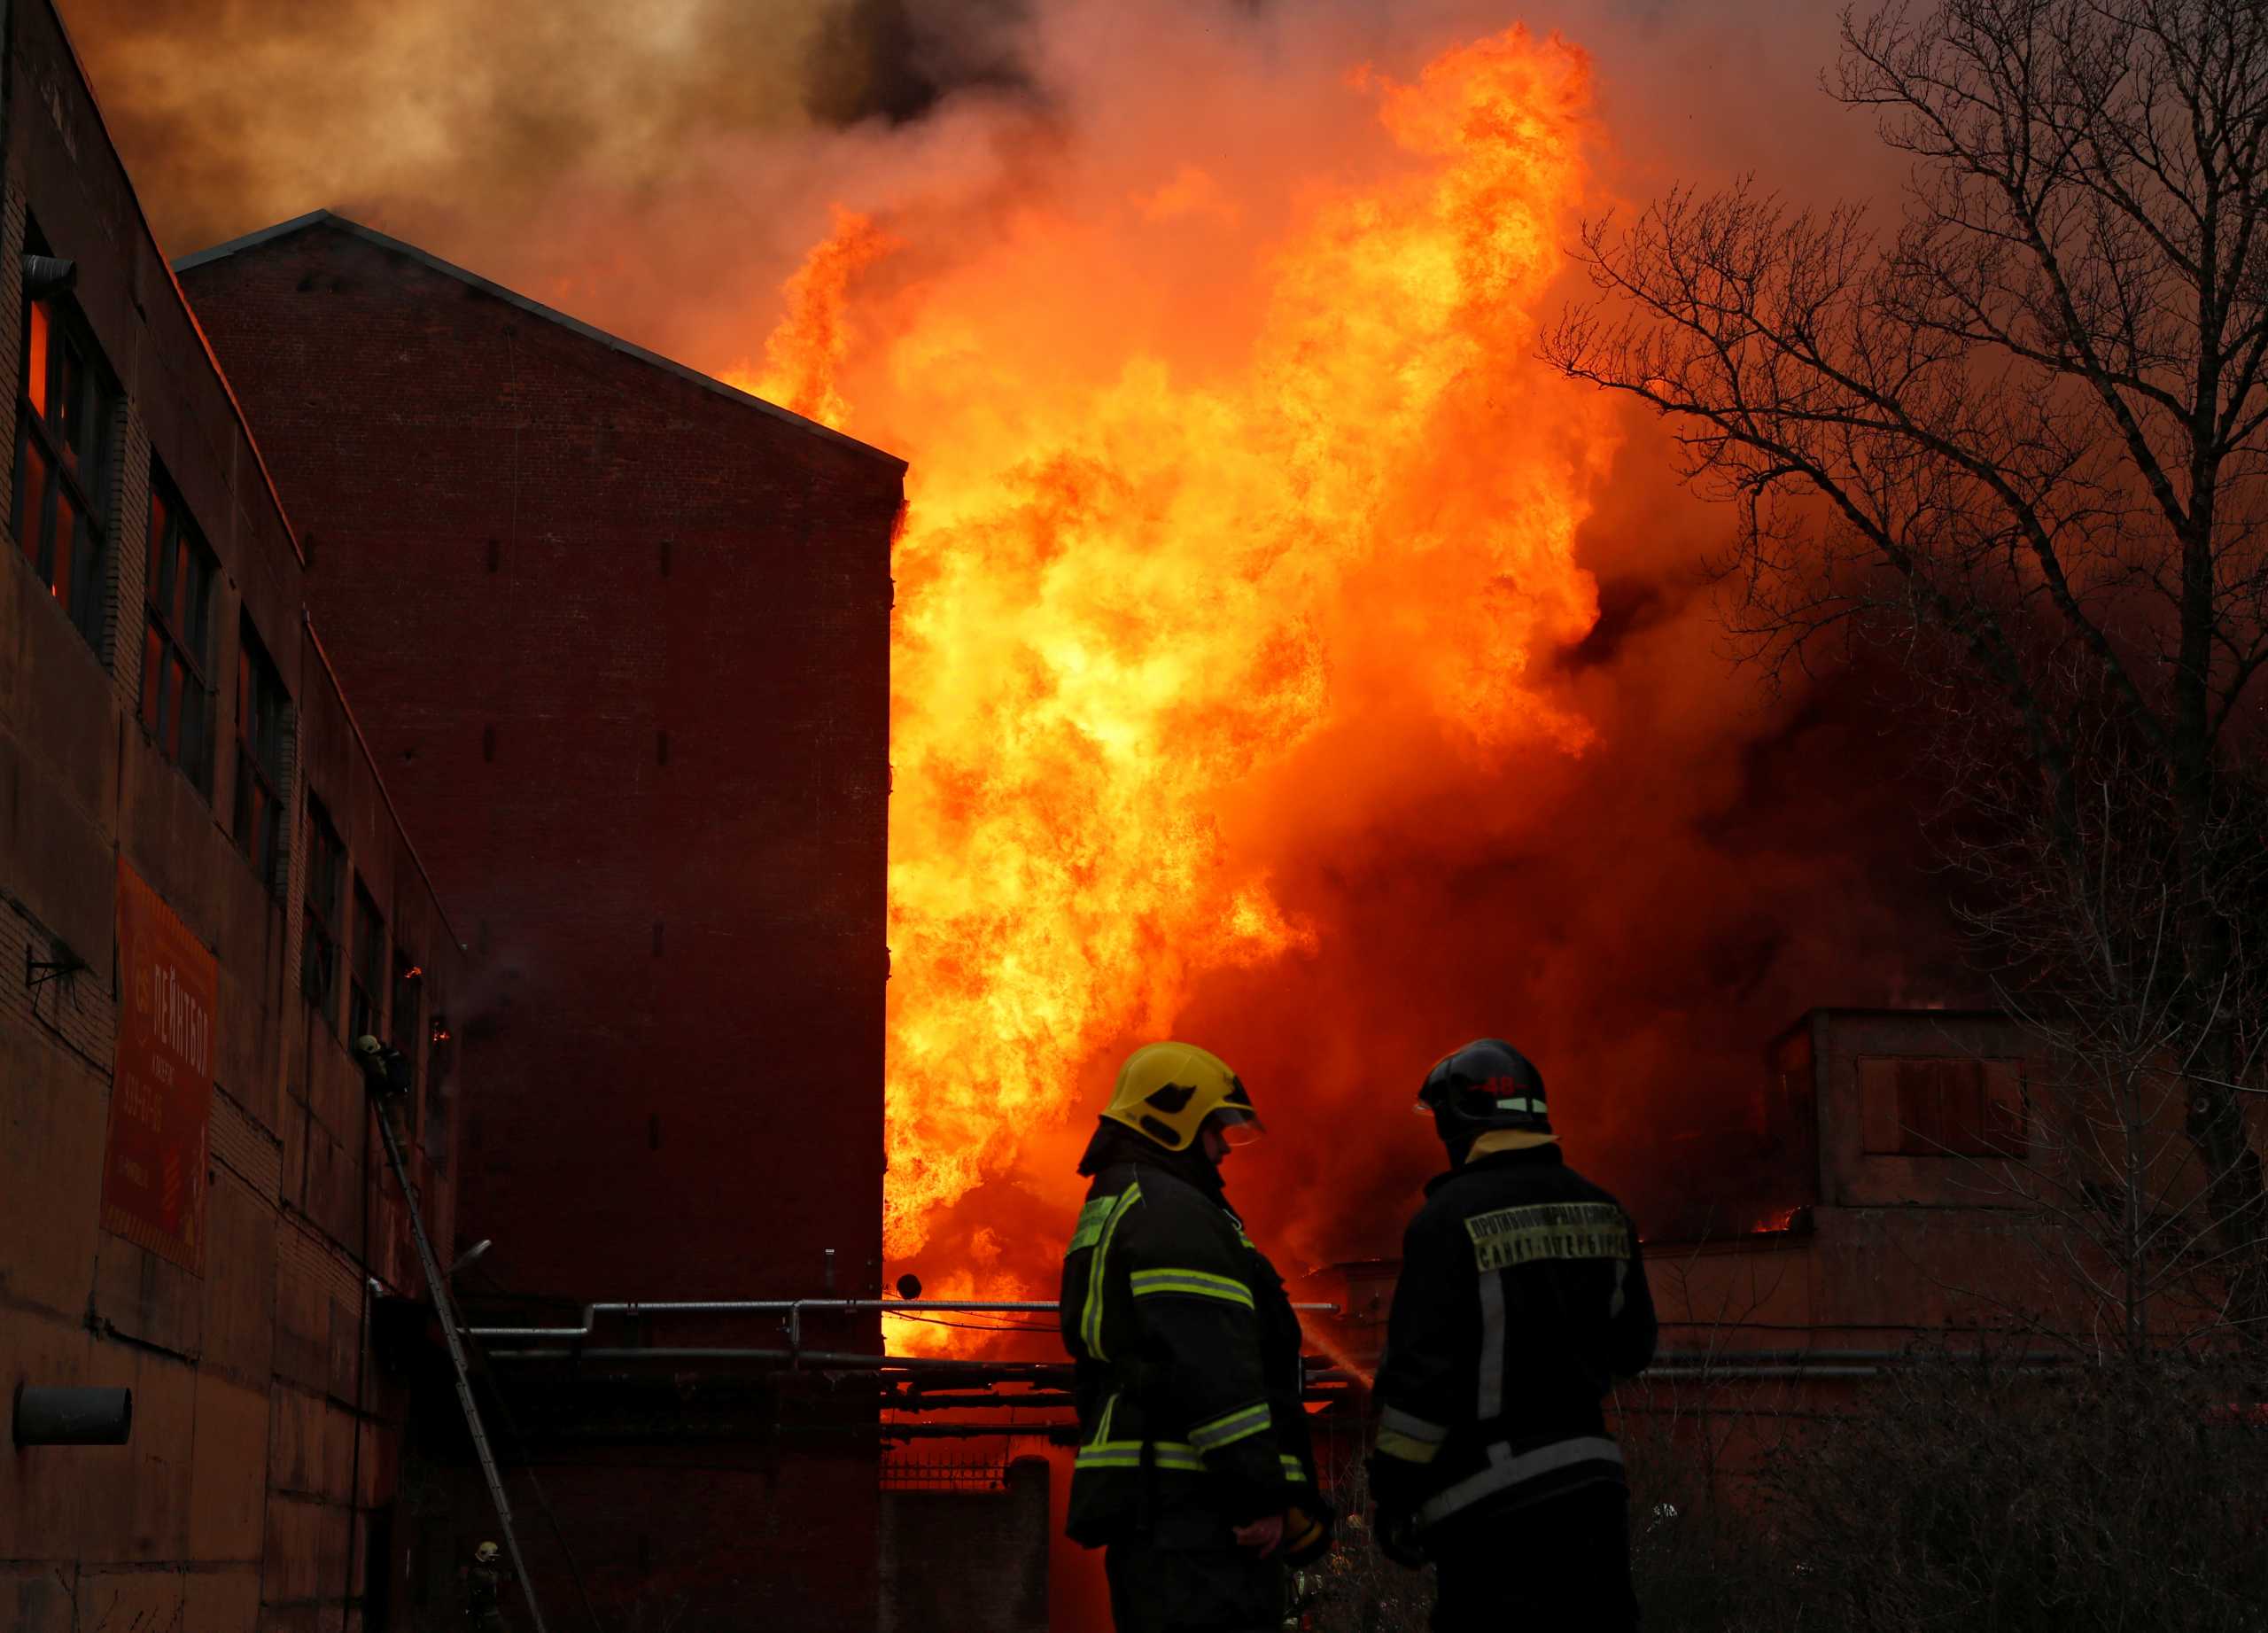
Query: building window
x=263 y=730
x=318 y=945
x=63 y=415
x=177 y=639
x=363 y=981
x=404 y=1015
x=1942 y=1107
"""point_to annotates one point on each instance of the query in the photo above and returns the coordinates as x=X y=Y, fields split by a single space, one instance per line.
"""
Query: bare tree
x=2018 y=434
x=2096 y=975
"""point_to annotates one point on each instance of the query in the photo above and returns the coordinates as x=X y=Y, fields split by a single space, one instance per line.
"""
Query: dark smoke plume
x=466 y=123
x=896 y=59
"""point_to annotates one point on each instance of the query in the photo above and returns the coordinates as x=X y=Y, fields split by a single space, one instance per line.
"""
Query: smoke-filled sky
x=648 y=163
x=1641 y=916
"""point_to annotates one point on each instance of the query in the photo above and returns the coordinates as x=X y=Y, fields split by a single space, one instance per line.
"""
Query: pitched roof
x=326 y=218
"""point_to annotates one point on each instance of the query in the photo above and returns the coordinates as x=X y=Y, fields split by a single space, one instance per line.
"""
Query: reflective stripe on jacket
x=1522 y=1295
x=1187 y=1360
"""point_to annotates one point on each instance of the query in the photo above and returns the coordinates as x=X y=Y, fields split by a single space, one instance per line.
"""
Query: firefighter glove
x=1307 y=1533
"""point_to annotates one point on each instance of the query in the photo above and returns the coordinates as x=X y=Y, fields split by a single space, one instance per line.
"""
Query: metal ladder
x=444 y=1304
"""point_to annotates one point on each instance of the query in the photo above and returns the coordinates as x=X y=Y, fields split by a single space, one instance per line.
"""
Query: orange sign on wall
x=161 y=1092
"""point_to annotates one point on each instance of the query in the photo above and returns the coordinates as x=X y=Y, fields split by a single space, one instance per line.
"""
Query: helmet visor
x=1238 y=1126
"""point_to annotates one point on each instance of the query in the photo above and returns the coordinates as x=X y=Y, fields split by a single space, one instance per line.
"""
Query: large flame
x=1133 y=583
x=803 y=355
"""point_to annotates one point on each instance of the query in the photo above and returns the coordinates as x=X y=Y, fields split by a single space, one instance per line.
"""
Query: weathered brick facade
x=620 y=637
x=259 y=1466
x=969 y=1557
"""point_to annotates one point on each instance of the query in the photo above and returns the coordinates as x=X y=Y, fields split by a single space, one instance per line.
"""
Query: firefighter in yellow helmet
x=1195 y=1470
x=484 y=1592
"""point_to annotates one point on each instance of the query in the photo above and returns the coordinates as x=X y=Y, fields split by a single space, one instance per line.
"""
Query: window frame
x=260 y=734
x=364 y=1018
x=73 y=446
x=174 y=546
x=1968 y=1108
x=320 y=929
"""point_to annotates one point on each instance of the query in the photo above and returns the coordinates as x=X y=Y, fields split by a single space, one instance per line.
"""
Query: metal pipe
x=1067 y=1429
x=817 y=1357
x=1730 y=1364
x=1702 y=1374
x=1707 y=1357
x=750 y=1306
x=1705 y=1374
x=1065 y=1433
x=67 y=1415
x=793 y=1308
x=972 y=1431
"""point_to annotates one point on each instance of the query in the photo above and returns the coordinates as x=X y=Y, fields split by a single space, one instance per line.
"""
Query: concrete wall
x=262 y=1438
x=620 y=638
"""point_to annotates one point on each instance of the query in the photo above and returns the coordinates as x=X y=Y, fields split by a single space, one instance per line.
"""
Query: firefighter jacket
x=483 y=1590
x=1522 y=1297
x=1186 y=1355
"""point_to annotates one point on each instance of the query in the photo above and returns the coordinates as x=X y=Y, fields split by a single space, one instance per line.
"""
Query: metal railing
x=567 y=1341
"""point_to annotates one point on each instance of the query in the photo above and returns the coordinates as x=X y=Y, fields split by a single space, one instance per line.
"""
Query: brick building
x=1900 y=1181
x=203 y=892
x=619 y=635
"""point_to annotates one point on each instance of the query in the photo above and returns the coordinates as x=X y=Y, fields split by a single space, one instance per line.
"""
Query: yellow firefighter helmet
x=486 y=1554
x=1166 y=1091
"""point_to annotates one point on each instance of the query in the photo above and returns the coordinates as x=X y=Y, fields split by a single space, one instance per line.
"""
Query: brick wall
x=972 y=1560
x=621 y=645
x=619 y=639
x=264 y=1440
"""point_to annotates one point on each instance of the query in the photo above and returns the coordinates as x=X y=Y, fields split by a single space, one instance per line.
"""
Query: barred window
x=264 y=731
x=178 y=638
x=363 y=988
x=319 y=913
x=65 y=400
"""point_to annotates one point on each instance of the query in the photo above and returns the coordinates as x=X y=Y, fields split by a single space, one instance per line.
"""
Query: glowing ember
x=1133 y=582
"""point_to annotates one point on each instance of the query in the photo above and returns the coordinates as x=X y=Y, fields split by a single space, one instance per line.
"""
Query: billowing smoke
x=1094 y=262
x=898 y=59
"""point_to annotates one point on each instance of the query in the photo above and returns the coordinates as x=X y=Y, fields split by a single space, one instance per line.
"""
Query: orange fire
x=1160 y=535
x=805 y=353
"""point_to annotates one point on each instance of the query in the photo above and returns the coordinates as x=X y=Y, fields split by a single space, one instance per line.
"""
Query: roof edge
x=385 y=241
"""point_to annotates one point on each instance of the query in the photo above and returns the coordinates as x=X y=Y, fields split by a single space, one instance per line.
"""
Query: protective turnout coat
x=1187 y=1361
x=1522 y=1295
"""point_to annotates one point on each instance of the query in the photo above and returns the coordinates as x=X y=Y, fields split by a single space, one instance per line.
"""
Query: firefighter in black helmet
x=1194 y=1469
x=1522 y=1297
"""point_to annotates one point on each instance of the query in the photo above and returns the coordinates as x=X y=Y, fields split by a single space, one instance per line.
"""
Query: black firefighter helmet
x=1488 y=1087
